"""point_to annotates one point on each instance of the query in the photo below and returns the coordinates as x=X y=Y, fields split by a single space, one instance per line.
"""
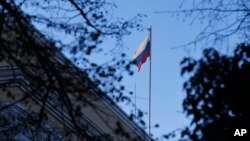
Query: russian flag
x=142 y=53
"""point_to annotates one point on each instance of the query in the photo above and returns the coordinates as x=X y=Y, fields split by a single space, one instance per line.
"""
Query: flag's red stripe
x=145 y=54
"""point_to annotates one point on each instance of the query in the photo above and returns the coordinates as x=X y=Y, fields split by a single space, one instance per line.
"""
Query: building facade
x=43 y=96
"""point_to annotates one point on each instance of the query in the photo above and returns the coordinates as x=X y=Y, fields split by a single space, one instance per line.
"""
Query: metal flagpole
x=135 y=104
x=150 y=63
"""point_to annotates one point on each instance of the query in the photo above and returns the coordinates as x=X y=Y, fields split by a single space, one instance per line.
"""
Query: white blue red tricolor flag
x=143 y=52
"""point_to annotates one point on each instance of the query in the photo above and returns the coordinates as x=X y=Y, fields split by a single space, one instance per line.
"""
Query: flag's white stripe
x=141 y=47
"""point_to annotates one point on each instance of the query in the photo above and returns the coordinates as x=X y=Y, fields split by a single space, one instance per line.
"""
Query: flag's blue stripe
x=139 y=57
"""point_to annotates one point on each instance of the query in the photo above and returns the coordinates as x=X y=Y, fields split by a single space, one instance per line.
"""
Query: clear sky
x=168 y=31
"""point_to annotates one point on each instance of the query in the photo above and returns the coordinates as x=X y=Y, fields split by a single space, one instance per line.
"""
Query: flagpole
x=135 y=105
x=150 y=63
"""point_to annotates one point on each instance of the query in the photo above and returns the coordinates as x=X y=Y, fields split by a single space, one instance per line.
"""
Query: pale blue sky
x=168 y=31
